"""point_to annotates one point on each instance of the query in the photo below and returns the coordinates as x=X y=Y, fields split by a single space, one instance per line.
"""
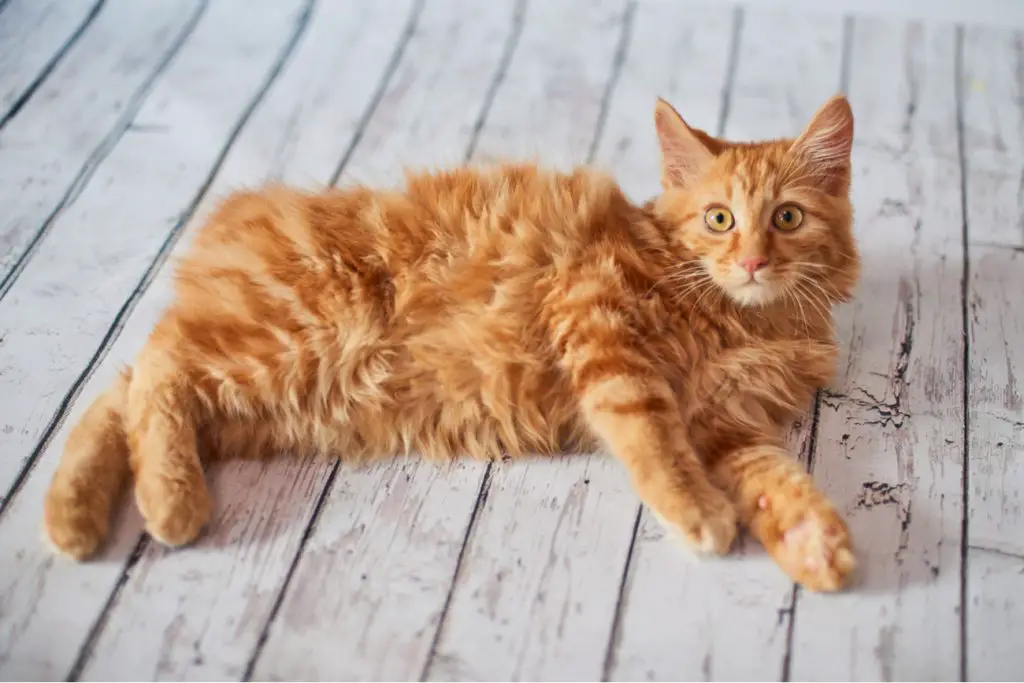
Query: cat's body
x=477 y=312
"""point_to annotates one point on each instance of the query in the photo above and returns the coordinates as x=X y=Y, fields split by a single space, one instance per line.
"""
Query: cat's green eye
x=788 y=217
x=718 y=219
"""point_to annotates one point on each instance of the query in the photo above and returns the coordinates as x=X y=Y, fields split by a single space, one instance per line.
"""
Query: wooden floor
x=122 y=121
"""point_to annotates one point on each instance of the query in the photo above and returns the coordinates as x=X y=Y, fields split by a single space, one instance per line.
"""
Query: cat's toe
x=816 y=551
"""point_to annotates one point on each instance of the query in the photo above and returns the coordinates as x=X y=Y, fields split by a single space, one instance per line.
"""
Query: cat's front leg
x=778 y=501
x=637 y=418
x=629 y=405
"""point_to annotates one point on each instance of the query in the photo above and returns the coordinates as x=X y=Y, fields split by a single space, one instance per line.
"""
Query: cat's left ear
x=685 y=152
x=825 y=145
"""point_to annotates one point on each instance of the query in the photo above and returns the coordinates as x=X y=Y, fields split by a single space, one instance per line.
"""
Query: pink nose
x=753 y=263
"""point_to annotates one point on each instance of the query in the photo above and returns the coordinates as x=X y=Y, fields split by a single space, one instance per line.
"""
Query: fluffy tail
x=92 y=473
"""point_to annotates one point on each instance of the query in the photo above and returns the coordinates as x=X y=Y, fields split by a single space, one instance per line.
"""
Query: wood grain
x=993 y=119
x=369 y=589
x=89 y=272
x=740 y=603
x=34 y=36
x=890 y=441
x=50 y=150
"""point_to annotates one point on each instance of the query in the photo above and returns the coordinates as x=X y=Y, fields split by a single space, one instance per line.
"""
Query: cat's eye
x=718 y=219
x=788 y=217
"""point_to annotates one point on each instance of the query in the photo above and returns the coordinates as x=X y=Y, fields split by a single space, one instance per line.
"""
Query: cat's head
x=769 y=221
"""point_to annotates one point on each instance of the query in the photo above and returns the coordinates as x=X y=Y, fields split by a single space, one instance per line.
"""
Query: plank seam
x=615 y=635
x=958 y=75
x=389 y=71
x=48 y=68
x=723 y=115
x=89 y=644
x=121 y=318
x=101 y=152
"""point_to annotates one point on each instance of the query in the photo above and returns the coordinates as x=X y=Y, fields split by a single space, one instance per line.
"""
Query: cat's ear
x=685 y=152
x=825 y=145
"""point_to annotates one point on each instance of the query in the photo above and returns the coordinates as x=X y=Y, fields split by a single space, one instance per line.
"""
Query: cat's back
x=511 y=216
x=517 y=214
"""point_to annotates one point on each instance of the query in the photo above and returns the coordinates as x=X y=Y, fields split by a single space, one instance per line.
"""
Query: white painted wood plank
x=527 y=603
x=995 y=613
x=739 y=603
x=993 y=111
x=681 y=53
x=33 y=36
x=199 y=613
x=368 y=591
x=993 y=12
x=890 y=442
x=78 y=113
x=68 y=297
x=547 y=106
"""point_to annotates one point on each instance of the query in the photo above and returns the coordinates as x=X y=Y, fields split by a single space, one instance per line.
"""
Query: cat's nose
x=752 y=264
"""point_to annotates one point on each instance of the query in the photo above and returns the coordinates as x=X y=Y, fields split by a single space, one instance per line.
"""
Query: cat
x=499 y=311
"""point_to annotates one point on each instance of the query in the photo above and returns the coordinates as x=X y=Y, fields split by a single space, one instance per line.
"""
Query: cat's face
x=769 y=221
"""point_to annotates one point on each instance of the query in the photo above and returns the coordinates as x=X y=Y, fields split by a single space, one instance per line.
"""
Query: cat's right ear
x=684 y=152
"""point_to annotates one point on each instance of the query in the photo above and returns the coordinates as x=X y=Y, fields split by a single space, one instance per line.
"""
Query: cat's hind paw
x=175 y=514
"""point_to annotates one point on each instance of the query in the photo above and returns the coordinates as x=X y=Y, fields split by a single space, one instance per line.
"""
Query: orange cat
x=505 y=311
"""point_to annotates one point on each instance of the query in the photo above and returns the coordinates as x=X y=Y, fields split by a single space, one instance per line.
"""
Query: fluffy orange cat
x=505 y=311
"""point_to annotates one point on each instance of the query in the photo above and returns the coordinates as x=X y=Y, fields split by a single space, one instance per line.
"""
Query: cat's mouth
x=752 y=293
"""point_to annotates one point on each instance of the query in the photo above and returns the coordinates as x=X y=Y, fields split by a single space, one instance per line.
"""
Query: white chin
x=751 y=294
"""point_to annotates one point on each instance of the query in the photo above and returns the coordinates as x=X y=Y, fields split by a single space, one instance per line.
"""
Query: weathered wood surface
x=772 y=89
x=993 y=134
x=891 y=435
x=120 y=125
x=34 y=36
x=77 y=115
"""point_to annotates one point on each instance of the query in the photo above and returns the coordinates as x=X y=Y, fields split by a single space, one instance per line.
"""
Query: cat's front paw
x=814 y=549
x=709 y=528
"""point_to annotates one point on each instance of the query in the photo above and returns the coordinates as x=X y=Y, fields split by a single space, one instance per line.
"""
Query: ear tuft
x=826 y=144
x=684 y=153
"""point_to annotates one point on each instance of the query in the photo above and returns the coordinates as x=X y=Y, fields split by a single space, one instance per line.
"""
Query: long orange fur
x=509 y=310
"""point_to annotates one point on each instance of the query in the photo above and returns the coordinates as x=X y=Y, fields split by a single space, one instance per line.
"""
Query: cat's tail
x=92 y=473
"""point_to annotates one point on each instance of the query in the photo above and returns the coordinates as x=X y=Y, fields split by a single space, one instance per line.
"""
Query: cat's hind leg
x=161 y=423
